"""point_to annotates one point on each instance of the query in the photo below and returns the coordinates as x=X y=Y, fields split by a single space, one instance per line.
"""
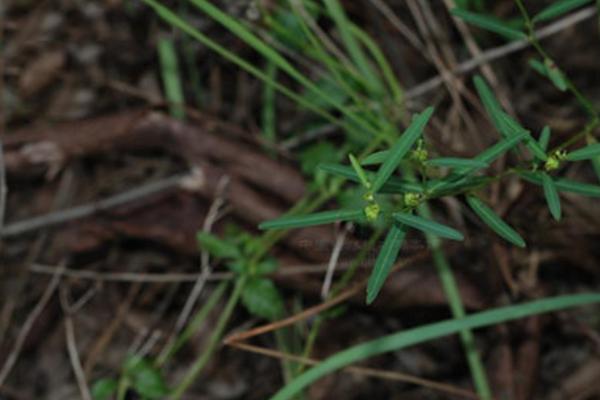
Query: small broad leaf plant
x=462 y=178
x=259 y=295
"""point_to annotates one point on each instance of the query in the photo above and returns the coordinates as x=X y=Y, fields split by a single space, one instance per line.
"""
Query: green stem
x=213 y=342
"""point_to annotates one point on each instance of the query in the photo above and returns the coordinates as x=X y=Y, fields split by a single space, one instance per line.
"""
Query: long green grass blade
x=385 y=260
x=428 y=226
x=336 y=11
x=544 y=138
x=170 y=76
x=320 y=218
x=565 y=185
x=401 y=147
x=455 y=162
x=551 y=194
x=558 y=8
x=585 y=153
x=271 y=54
x=176 y=21
x=489 y=217
x=268 y=104
x=489 y=23
x=411 y=337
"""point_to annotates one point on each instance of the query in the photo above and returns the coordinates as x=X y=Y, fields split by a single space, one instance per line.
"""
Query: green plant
x=357 y=92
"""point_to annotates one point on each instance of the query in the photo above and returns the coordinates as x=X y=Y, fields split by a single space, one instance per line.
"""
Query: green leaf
x=385 y=260
x=544 y=138
x=393 y=185
x=492 y=153
x=104 y=389
x=584 y=153
x=489 y=23
x=145 y=378
x=488 y=99
x=454 y=162
x=320 y=218
x=262 y=299
x=551 y=194
x=558 y=8
x=428 y=226
x=510 y=128
x=555 y=75
x=216 y=247
x=489 y=217
x=421 y=334
x=376 y=158
x=313 y=155
x=565 y=185
x=170 y=76
x=360 y=172
x=538 y=66
x=401 y=147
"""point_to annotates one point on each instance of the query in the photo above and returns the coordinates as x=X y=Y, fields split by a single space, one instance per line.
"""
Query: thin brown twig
x=85 y=210
x=3 y=186
x=502 y=51
x=370 y=372
x=26 y=328
x=84 y=389
x=171 y=277
x=309 y=312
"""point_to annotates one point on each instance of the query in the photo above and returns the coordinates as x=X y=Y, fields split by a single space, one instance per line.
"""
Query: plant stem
x=213 y=342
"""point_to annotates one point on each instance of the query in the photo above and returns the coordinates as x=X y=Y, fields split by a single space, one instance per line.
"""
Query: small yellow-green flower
x=412 y=199
x=553 y=161
x=372 y=211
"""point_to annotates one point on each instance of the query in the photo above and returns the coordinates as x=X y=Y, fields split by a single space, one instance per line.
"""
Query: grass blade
x=489 y=23
x=401 y=147
x=385 y=260
x=411 y=337
x=551 y=194
x=320 y=218
x=585 y=153
x=544 y=138
x=455 y=162
x=489 y=217
x=170 y=75
x=268 y=104
x=558 y=8
x=428 y=226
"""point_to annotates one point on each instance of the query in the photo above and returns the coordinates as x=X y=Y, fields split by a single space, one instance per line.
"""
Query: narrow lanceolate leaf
x=376 y=158
x=320 y=218
x=217 y=247
x=401 y=147
x=544 y=138
x=490 y=103
x=510 y=128
x=555 y=75
x=489 y=23
x=454 y=162
x=360 y=172
x=489 y=217
x=393 y=185
x=492 y=153
x=558 y=8
x=585 y=153
x=551 y=194
x=385 y=260
x=565 y=185
x=428 y=226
